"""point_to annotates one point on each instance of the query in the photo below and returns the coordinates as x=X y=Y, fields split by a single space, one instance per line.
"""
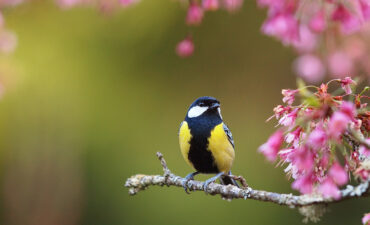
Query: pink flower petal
x=329 y=190
x=338 y=174
x=318 y=22
x=271 y=148
x=194 y=15
x=210 y=4
x=337 y=124
x=185 y=48
x=304 y=184
x=310 y=68
x=366 y=219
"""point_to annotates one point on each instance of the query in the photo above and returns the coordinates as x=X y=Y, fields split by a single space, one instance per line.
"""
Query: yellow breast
x=221 y=148
x=184 y=139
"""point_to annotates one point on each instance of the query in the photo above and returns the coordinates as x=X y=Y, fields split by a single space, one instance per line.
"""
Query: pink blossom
x=194 y=15
x=304 y=184
x=365 y=8
x=349 y=109
x=363 y=150
x=303 y=159
x=210 y=4
x=324 y=162
x=363 y=173
x=337 y=124
x=296 y=174
x=309 y=149
x=280 y=110
x=288 y=95
x=271 y=147
x=366 y=219
x=306 y=41
x=340 y=64
x=311 y=27
x=338 y=174
x=185 y=48
x=232 y=5
x=310 y=68
x=318 y=22
x=293 y=136
x=329 y=190
x=285 y=154
x=289 y=119
x=282 y=25
x=317 y=138
x=346 y=82
x=349 y=23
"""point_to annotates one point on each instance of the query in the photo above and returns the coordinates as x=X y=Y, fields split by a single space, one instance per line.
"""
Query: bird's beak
x=215 y=105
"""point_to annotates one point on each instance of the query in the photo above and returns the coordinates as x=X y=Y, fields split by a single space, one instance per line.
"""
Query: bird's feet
x=211 y=180
x=230 y=179
x=185 y=181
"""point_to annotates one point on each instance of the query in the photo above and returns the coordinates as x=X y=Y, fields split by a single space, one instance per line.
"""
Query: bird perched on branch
x=206 y=142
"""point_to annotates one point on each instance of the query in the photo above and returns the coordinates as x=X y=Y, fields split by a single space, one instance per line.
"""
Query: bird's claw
x=206 y=184
x=186 y=180
x=184 y=183
x=211 y=180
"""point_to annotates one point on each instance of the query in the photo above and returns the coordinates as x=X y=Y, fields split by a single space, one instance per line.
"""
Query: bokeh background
x=90 y=98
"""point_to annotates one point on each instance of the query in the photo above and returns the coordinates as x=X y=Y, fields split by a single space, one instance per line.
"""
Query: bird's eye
x=202 y=104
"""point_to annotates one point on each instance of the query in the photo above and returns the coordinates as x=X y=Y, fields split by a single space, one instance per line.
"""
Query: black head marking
x=205 y=108
x=205 y=101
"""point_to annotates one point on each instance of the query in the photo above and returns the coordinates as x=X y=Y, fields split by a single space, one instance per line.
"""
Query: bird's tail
x=225 y=180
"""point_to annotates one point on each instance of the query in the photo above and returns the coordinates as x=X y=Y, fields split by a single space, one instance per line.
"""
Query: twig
x=240 y=179
x=140 y=182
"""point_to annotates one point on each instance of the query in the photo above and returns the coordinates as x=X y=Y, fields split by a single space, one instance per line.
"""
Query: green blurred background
x=90 y=98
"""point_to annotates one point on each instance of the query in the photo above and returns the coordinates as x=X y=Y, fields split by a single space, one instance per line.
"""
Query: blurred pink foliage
x=312 y=136
x=329 y=35
x=366 y=219
x=101 y=4
x=196 y=10
x=185 y=48
x=195 y=14
x=8 y=40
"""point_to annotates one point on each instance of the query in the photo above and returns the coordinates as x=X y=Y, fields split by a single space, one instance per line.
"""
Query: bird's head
x=204 y=106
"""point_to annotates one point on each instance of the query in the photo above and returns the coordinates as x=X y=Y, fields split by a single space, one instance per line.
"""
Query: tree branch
x=141 y=182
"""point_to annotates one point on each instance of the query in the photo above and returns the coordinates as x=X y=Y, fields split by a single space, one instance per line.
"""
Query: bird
x=206 y=142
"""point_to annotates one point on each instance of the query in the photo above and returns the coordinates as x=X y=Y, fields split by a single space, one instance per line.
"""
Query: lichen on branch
x=140 y=182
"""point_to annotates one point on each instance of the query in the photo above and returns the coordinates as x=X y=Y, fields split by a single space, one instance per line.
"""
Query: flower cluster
x=330 y=36
x=318 y=139
x=194 y=16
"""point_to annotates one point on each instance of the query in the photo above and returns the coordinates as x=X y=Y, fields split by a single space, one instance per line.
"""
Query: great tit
x=206 y=142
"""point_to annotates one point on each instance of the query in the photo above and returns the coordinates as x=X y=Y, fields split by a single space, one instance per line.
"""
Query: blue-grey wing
x=178 y=133
x=229 y=134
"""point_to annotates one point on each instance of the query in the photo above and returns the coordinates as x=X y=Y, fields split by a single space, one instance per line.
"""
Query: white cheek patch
x=197 y=111
x=219 y=112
